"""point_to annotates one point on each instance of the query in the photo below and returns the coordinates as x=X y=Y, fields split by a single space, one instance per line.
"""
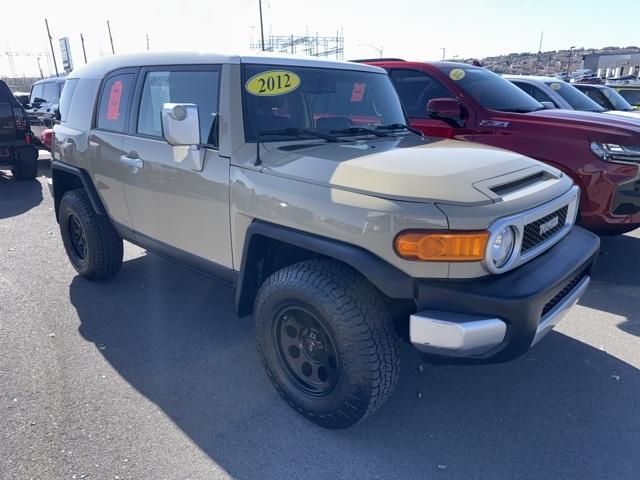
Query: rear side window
x=416 y=89
x=37 y=93
x=66 y=98
x=160 y=87
x=51 y=92
x=114 y=100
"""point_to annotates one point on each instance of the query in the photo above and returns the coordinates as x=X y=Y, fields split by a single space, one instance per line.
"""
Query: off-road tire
x=357 y=322
x=25 y=164
x=104 y=248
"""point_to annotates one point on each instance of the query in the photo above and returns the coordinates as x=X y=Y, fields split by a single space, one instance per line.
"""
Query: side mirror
x=181 y=124
x=446 y=109
x=181 y=128
x=548 y=105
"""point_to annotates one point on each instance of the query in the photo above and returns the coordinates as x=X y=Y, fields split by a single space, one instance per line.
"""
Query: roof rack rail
x=362 y=60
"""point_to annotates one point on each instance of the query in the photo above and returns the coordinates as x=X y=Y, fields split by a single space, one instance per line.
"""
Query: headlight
x=502 y=247
x=612 y=152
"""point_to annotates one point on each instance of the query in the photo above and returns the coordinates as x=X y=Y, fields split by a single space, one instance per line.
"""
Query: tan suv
x=298 y=181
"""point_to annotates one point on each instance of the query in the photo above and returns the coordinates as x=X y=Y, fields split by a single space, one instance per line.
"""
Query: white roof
x=534 y=78
x=99 y=68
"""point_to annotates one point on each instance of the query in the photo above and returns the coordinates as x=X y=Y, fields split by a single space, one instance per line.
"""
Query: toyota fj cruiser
x=342 y=230
x=16 y=139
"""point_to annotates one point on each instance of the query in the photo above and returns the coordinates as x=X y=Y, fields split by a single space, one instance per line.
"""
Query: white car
x=554 y=93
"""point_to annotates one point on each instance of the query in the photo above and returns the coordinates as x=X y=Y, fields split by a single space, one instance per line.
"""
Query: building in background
x=607 y=65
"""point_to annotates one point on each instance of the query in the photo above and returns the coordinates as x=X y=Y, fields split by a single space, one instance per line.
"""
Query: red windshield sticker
x=357 y=94
x=113 y=109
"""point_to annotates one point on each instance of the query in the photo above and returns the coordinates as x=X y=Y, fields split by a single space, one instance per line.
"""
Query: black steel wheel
x=306 y=350
x=93 y=246
x=327 y=342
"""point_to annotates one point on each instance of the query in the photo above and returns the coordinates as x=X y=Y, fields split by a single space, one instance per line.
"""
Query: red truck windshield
x=491 y=90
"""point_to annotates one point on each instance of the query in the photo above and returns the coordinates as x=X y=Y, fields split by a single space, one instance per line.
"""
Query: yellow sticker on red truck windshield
x=457 y=74
x=272 y=83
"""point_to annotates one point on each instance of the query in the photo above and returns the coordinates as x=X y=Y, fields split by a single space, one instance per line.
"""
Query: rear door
x=170 y=203
x=105 y=143
x=416 y=89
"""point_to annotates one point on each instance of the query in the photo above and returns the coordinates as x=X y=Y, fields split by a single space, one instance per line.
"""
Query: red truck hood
x=589 y=121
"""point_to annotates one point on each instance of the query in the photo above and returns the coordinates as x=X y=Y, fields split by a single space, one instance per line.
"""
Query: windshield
x=574 y=97
x=286 y=100
x=617 y=100
x=491 y=90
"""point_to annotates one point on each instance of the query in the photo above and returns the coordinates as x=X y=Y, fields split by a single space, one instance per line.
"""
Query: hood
x=407 y=168
x=589 y=120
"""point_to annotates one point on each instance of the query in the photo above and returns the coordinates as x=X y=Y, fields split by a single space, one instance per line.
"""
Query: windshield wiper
x=399 y=126
x=360 y=130
x=301 y=132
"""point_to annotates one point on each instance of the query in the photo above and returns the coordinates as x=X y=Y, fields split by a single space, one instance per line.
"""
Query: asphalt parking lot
x=151 y=375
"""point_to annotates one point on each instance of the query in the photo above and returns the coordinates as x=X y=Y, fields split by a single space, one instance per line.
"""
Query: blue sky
x=412 y=29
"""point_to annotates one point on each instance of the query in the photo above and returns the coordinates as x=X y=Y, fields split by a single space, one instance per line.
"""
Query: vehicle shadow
x=18 y=196
x=615 y=286
x=565 y=410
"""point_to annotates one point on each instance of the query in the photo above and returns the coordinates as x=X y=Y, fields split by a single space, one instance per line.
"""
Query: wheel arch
x=66 y=177
x=269 y=247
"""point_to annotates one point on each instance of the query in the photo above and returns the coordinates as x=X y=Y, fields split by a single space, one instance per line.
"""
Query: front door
x=416 y=89
x=169 y=202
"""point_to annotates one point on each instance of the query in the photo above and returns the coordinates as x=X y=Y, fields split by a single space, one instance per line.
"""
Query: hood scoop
x=518 y=184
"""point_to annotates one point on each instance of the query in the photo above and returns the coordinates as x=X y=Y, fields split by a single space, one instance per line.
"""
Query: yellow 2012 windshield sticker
x=272 y=83
x=457 y=74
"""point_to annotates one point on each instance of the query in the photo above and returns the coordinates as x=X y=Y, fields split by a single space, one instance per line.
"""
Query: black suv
x=16 y=139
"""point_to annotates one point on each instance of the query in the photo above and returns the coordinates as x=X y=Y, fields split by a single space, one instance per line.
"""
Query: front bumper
x=502 y=316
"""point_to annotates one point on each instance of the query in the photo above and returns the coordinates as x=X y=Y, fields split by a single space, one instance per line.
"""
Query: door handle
x=131 y=162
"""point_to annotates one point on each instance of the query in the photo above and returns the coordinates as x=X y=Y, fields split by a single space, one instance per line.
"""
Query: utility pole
x=261 y=26
x=147 y=35
x=84 y=52
x=540 y=46
x=569 y=62
x=55 y=64
x=443 y=52
x=110 y=37
x=40 y=67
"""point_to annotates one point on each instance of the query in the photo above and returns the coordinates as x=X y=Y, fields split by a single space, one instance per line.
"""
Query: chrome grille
x=534 y=233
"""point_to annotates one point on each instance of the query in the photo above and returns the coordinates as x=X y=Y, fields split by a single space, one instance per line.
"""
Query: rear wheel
x=93 y=246
x=25 y=164
x=327 y=342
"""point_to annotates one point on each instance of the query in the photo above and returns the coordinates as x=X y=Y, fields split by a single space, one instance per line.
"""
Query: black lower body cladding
x=520 y=297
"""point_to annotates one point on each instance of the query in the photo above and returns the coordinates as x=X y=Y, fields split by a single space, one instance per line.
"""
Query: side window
x=113 y=102
x=535 y=92
x=180 y=86
x=37 y=92
x=416 y=89
x=66 y=97
x=50 y=92
x=597 y=96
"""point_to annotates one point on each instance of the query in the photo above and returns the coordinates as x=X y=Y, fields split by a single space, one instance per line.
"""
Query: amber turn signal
x=442 y=247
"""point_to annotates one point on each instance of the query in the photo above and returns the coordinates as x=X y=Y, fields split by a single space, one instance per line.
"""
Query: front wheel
x=327 y=342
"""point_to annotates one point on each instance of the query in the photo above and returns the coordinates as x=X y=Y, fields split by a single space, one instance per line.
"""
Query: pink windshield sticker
x=357 y=94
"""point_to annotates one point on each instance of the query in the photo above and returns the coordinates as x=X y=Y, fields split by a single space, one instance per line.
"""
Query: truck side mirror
x=447 y=109
x=181 y=128
x=181 y=124
x=548 y=105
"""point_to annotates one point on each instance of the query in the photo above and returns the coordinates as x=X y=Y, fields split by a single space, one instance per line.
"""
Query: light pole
x=378 y=49
x=261 y=27
x=443 y=52
x=569 y=62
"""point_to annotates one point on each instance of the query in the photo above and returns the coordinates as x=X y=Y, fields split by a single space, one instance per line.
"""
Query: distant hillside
x=545 y=63
x=20 y=84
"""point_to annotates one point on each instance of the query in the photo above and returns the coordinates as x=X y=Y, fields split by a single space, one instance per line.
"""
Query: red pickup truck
x=600 y=152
